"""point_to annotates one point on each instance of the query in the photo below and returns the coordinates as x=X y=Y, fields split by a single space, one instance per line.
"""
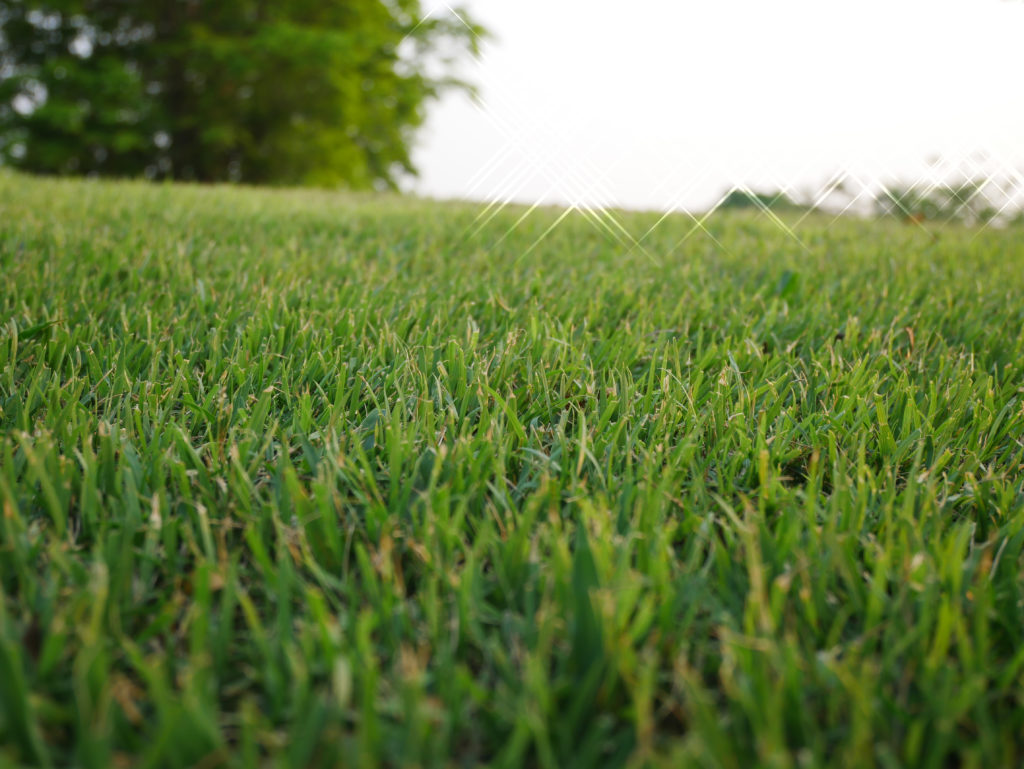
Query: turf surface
x=298 y=478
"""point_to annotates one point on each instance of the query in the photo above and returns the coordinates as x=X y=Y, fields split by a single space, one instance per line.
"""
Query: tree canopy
x=322 y=92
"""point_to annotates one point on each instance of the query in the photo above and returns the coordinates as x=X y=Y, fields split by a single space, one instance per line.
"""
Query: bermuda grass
x=295 y=478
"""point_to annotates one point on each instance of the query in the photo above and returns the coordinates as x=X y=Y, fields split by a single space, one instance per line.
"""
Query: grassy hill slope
x=299 y=478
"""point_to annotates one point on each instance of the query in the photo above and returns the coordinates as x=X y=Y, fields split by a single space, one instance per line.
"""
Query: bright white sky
x=665 y=103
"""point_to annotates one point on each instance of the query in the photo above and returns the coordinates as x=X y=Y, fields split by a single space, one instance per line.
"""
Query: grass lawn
x=300 y=478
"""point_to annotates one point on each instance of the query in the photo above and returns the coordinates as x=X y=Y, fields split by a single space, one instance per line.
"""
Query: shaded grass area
x=297 y=478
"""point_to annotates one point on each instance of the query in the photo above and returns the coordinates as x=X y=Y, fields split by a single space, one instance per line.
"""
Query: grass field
x=298 y=478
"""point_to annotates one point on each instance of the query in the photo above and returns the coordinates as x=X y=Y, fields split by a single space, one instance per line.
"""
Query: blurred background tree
x=320 y=92
x=762 y=201
x=967 y=201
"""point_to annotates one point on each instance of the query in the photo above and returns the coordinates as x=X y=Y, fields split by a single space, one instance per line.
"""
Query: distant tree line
x=321 y=92
x=739 y=198
x=965 y=202
x=971 y=201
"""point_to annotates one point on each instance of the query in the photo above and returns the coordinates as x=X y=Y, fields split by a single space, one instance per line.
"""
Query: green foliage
x=964 y=202
x=761 y=201
x=300 y=92
x=295 y=478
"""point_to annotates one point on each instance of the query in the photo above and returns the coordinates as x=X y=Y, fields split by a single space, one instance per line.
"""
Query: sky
x=666 y=104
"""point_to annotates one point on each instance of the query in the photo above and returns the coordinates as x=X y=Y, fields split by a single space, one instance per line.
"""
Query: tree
x=776 y=201
x=322 y=92
x=966 y=201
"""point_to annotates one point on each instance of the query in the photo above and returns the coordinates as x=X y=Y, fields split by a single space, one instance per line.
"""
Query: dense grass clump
x=297 y=478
